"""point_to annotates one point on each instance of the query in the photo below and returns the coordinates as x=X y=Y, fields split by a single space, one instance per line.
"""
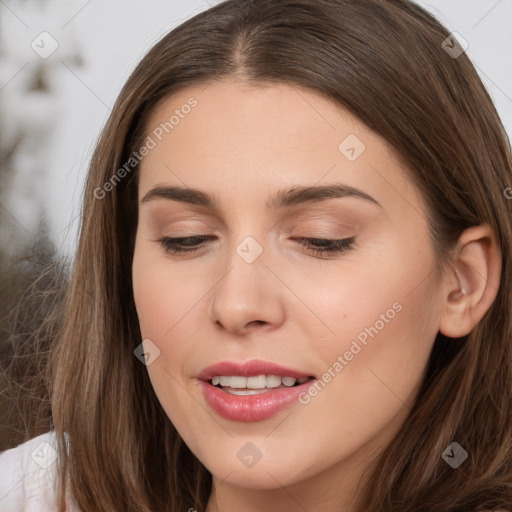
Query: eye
x=323 y=246
x=317 y=246
x=183 y=244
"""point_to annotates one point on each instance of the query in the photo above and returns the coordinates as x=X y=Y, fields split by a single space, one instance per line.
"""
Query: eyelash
x=172 y=245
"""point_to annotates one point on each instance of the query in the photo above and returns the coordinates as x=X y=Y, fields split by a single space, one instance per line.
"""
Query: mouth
x=252 y=391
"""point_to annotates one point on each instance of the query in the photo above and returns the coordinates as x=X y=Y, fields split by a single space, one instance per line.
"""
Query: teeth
x=237 y=382
x=289 y=381
x=273 y=381
x=256 y=382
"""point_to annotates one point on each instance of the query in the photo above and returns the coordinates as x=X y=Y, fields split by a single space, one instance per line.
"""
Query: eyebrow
x=282 y=199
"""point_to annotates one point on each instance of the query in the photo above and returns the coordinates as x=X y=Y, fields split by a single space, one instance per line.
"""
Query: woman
x=291 y=290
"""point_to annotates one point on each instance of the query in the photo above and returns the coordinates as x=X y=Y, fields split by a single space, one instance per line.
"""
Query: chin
x=263 y=478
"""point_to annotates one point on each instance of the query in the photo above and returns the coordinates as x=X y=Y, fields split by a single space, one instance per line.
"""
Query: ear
x=471 y=285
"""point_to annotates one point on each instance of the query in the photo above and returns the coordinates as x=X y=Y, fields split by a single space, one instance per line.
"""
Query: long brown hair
x=384 y=61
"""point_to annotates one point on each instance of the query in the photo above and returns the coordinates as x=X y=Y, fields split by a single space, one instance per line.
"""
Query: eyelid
x=336 y=216
x=333 y=233
x=320 y=224
x=161 y=219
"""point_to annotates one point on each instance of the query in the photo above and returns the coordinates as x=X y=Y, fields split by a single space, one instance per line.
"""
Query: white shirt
x=28 y=476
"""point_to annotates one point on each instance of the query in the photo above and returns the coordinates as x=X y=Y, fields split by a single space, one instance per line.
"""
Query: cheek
x=165 y=310
x=366 y=289
x=163 y=306
x=382 y=320
x=163 y=298
x=373 y=368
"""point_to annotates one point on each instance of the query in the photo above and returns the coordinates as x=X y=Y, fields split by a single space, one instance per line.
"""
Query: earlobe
x=471 y=285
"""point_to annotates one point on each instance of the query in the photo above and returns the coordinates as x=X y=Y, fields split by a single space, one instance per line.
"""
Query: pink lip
x=250 y=408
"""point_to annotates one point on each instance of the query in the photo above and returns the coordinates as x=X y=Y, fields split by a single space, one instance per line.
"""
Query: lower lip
x=250 y=408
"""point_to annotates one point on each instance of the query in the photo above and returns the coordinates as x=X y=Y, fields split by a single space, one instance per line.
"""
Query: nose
x=248 y=297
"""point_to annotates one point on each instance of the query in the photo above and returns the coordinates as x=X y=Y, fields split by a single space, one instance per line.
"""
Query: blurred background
x=62 y=64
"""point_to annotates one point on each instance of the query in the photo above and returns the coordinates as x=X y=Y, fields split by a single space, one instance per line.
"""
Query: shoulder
x=28 y=481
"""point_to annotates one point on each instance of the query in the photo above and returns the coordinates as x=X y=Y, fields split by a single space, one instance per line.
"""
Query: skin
x=243 y=143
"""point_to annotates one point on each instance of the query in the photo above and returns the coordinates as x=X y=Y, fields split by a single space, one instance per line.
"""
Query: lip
x=249 y=369
x=251 y=408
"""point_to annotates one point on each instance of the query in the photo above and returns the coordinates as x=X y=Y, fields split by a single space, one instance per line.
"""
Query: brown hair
x=382 y=60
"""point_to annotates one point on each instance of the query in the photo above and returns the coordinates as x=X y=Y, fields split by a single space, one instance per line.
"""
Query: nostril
x=257 y=322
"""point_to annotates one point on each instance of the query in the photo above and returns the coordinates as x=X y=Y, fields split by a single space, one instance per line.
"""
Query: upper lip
x=249 y=369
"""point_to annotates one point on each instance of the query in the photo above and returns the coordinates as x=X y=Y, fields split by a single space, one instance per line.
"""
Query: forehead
x=233 y=138
x=292 y=113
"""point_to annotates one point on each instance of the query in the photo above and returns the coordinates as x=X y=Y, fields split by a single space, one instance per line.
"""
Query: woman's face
x=254 y=173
